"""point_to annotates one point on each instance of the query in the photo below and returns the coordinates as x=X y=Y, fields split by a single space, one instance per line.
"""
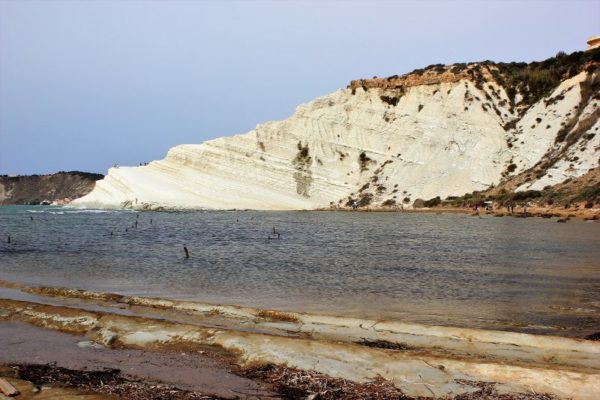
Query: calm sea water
x=506 y=273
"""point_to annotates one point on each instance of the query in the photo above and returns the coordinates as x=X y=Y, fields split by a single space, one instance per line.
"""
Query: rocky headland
x=59 y=188
x=441 y=131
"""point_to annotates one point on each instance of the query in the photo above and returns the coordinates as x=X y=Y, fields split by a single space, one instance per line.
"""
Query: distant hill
x=59 y=188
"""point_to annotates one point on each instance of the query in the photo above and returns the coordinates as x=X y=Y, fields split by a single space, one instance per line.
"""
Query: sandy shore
x=577 y=211
x=253 y=353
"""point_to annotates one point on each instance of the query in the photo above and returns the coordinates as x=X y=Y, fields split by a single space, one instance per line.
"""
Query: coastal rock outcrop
x=441 y=131
x=59 y=188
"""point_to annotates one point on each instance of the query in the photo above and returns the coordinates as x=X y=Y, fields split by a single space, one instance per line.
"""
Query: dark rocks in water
x=593 y=336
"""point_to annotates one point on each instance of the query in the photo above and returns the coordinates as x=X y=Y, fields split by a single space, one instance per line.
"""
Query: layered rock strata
x=441 y=131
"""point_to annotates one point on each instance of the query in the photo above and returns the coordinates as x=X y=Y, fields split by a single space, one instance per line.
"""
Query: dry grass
x=297 y=384
x=214 y=312
x=384 y=344
x=278 y=316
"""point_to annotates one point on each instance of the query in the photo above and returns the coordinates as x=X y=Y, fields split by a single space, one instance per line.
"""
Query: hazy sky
x=86 y=84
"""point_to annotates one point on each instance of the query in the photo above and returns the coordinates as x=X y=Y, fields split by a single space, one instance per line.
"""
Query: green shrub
x=526 y=195
x=365 y=199
x=364 y=161
x=433 y=202
x=391 y=100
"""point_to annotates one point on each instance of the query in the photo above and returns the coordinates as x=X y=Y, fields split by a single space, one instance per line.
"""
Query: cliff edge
x=444 y=130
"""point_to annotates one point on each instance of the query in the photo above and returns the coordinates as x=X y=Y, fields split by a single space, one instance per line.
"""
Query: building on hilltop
x=593 y=42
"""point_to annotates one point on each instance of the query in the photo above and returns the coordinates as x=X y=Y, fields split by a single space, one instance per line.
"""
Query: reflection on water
x=524 y=274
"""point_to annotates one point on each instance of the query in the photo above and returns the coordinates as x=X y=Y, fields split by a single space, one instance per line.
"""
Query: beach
x=222 y=344
x=291 y=305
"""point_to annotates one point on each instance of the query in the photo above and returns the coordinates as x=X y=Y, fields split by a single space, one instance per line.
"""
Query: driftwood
x=7 y=389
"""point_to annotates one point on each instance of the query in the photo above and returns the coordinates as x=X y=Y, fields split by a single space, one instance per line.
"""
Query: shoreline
x=419 y=360
x=84 y=297
x=579 y=213
x=541 y=212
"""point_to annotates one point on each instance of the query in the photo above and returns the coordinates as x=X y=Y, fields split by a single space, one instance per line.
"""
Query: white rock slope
x=444 y=132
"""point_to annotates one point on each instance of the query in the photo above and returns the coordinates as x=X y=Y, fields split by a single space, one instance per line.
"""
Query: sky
x=88 y=84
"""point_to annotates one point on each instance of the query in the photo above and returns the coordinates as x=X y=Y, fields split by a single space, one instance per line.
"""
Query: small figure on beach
x=354 y=205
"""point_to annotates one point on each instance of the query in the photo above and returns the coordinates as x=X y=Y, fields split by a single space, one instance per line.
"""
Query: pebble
x=89 y=343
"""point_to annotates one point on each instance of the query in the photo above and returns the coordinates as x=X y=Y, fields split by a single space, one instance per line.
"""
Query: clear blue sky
x=86 y=84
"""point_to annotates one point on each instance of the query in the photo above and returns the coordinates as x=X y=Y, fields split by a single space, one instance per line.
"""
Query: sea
x=519 y=274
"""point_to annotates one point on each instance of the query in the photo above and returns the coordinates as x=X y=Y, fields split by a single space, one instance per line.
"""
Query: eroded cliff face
x=59 y=188
x=442 y=131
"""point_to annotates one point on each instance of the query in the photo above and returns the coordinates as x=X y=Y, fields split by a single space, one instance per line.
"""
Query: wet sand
x=30 y=391
x=22 y=343
x=205 y=348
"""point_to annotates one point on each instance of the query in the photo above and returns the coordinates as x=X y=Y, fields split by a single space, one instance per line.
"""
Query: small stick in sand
x=187 y=253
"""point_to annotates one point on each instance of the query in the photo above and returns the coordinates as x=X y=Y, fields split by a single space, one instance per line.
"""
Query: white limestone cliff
x=434 y=135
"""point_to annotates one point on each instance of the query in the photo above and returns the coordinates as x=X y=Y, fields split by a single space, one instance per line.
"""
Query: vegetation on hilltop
x=538 y=79
x=87 y=175
x=36 y=189
x=532 y=81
